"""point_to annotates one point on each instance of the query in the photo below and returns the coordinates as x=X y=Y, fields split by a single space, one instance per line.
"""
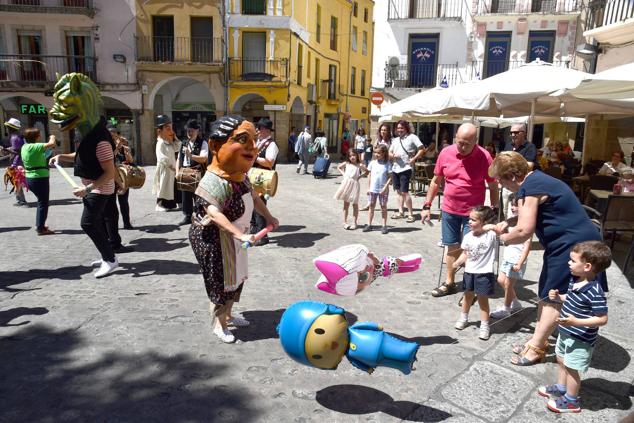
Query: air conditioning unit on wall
x=311 y=95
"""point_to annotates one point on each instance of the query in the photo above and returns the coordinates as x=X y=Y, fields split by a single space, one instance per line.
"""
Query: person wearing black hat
x=164 y=177
x=122 y=155
x=267 y=155
x=192 y=153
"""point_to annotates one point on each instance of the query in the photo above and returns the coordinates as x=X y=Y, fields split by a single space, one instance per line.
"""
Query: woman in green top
x=34 y=157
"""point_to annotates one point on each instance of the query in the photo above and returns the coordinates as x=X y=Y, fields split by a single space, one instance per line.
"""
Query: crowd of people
x=224 y=212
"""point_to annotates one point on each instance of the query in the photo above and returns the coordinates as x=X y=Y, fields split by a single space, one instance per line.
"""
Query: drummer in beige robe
x=164 y=178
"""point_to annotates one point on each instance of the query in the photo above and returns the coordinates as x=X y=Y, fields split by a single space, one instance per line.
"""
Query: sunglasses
x=515 y=132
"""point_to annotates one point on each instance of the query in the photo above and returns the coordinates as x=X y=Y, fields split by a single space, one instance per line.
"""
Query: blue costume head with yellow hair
x=317 y=335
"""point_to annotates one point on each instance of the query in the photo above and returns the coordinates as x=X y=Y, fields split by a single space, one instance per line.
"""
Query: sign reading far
x=32 y=109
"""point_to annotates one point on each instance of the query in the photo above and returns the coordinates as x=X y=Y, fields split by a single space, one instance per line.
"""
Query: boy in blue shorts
x=584 y=310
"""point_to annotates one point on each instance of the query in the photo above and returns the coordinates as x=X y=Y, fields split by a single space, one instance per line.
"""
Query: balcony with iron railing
x=22 y=70
x=428 y=76
x=258 y=70
x=607 y=12
x=489 y=7
x=179 y=50
x=426 y=9
x=82 y=7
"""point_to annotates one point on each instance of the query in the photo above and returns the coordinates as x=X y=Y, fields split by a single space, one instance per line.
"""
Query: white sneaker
x=225 y=335
x=96 y=263
x=106 y=268
x=461 y=324
x=500 y=313
x=516 y=306
x=485 y=333
x=160 y=209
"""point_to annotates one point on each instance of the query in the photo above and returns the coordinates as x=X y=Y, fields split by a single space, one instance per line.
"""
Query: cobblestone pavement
x=137 y=346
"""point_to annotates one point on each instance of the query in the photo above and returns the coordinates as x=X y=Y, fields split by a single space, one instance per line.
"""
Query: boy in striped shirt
x=584 y=310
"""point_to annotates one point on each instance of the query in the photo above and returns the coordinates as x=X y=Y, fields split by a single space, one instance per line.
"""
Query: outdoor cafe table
x=601 y=198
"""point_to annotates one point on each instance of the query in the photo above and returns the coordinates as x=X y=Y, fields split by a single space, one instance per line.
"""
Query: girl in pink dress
x=348 y=191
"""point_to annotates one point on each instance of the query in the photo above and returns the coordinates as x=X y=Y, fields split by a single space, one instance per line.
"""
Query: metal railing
x=524 y=7
x=427 y=76
x=422 y=76
x=43 y=6
x=425 y=9
x=253 y=7
x=274 y=70
x=25 y=69
x=481 y=69
x=179 y=49
x=330 y=90
x=606 y=12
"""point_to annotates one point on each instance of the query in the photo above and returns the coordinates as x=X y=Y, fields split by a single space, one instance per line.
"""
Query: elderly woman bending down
x=549 y=209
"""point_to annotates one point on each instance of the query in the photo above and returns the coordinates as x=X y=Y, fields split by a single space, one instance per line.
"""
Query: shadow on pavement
x=17 y=277
x=405 y=229
x=70 y=231
x=151 y=245
x=6 y=316
x=159 y=267
x=298 y=240
x=357 y=399
x=426 y=341
x=14 y=228
x=609 y=356
x=263 y=325
x=289 y=228
x=44 y=380
x=598 y=394
x=64 y=202
x=157 y=229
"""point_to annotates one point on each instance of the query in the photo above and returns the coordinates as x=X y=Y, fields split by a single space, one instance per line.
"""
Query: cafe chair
x=618 y=216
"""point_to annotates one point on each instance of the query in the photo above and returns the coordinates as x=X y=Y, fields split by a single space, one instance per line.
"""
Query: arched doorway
x=251 y=106
x=298 y=115
x=28 y=111
x=183 y=99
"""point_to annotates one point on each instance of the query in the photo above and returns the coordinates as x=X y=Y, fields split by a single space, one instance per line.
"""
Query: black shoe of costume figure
x=122 y=249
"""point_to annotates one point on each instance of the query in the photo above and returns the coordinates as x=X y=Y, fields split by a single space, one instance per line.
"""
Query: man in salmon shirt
x=463 y=166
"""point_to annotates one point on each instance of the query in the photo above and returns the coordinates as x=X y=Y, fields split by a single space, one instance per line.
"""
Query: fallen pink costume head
x=344 y=268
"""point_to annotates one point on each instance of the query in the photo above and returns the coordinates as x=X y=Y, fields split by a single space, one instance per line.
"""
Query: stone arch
x=184 y=98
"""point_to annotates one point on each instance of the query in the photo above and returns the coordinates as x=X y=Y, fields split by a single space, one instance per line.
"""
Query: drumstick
x=66 y=176
x=257 y=236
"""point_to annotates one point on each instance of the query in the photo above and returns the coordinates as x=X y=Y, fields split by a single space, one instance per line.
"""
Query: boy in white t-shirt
x=478 y=254
x=380 y=170
x=512 y=270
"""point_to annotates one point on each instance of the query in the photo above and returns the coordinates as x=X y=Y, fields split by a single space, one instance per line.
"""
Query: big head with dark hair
x=232 y=140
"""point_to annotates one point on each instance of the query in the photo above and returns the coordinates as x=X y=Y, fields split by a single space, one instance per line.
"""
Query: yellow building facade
x=301 y=63
x=180 y=57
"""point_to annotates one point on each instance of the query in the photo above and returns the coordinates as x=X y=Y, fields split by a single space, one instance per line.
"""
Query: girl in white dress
x=348 y=191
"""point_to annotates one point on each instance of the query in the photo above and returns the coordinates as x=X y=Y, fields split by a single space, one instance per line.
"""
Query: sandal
x=521 y=349
x=346 y=226
x=353 y=227
x=397 y=216
x=410 y=219
x=444 y=289
x=521 y=360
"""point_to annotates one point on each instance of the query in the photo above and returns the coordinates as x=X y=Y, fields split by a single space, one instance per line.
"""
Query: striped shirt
x=583 y=303
x=104 y=154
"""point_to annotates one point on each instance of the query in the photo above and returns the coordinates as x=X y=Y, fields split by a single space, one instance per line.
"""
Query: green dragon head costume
x=77 y=103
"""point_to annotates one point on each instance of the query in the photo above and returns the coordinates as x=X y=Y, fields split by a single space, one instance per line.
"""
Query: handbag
x=410 y=155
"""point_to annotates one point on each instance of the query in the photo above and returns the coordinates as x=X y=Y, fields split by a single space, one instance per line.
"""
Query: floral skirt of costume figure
x=223 y=263
x=348 y=191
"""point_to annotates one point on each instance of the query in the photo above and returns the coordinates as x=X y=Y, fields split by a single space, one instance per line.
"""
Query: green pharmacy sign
x=32 y=109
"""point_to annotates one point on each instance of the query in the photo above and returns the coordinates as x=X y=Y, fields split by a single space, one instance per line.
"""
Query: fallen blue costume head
x=317 y=334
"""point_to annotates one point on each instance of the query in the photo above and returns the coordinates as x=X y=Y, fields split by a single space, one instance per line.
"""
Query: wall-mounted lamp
x=119 y=58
